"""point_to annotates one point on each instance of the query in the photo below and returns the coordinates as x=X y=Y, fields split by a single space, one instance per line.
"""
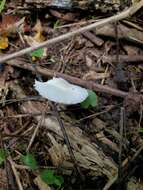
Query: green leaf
x=2 y=4
x=58 y=181
x=90 y=101
x=3 y=155
x=30 y=161
x=38 y=53
x=48 y=176
x=56 y=24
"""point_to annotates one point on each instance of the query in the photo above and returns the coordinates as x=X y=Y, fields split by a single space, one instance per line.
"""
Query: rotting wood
x=102 y=5
x=93 y=38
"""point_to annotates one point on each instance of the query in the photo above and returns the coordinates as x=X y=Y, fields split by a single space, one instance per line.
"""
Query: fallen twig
x=123 y=59
x=87 y=84
x=93 y=38
x=68 y=143
x=36 y=131
x=127 y=13
x=25 y=99
x=120 y=169
x=15 y=173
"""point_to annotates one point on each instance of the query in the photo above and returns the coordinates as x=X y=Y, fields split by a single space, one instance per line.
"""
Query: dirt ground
x=99 y=147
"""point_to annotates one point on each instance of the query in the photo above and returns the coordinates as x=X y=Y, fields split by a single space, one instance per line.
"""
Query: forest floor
x=50 y=146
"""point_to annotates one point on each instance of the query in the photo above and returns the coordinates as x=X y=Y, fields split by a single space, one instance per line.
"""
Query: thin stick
x=120 y=149
x=26 y=115
x=123 y=59
x=25 y=99
x=96 y=114
x=15 y=173
x=127 y=13
x=67 y=141
x=10 y=177
x=35 y=132
x=87 y=84
x=141 y=115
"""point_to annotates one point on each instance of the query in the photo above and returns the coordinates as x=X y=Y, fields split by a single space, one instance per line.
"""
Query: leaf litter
x=93 y=128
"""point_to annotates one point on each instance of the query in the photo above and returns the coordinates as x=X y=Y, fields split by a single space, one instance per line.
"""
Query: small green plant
x=90 y=101
x=47 y=176
x=2 y=5
x=56 y=24
x=30 y=161
x=38 y=53
x=3 y=156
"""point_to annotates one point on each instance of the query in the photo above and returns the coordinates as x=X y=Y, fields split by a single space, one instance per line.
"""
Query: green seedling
x=90 y=101
x=56 y=24
x=2 y=5
x=38 y=53
x=3 y=156
x=30 y=161
x=49 y=177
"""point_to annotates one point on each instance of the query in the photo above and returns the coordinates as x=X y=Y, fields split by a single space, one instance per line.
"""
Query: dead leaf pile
x=9 y=25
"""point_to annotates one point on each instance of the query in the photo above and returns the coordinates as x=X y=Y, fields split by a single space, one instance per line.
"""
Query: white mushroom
x=61 y=91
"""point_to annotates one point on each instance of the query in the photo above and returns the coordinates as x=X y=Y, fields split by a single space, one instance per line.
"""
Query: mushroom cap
x=61 y=91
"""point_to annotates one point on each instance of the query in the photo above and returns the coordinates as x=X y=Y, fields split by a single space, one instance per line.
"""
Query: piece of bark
x=102 y=5
x=93 y=38
x=92 y=75
x=131 y=35
x=122 y=58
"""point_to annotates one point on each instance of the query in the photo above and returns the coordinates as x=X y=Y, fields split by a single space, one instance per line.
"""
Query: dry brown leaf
x=39 y=30
x=7 y=23
x=41 y=184
x=39 y=37
x=64 y=16
x=38 y=26
x=3 y=42
x=10 y=24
